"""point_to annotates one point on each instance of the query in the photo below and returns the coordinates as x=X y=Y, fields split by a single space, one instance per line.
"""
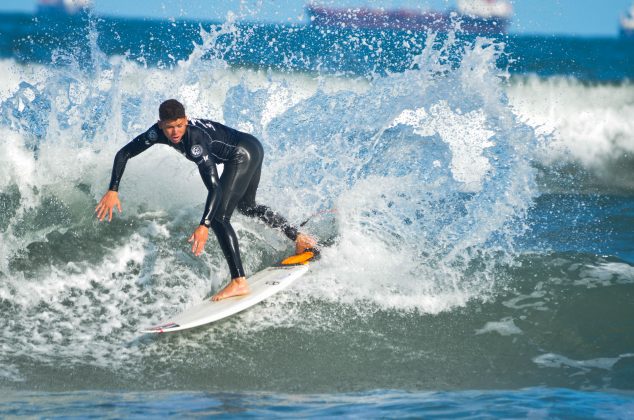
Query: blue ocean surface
x=474 y=195
x=529 y=403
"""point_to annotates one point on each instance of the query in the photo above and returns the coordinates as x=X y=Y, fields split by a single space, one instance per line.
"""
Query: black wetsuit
x=208 y=143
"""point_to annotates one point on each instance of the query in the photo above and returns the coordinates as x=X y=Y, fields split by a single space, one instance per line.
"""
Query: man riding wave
x=208 y=143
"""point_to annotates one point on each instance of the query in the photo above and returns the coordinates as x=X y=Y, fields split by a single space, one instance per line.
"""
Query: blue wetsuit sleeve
x=209 y=174
x=130 y=150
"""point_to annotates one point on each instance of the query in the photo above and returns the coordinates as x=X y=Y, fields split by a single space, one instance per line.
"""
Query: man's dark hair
x=171 y=110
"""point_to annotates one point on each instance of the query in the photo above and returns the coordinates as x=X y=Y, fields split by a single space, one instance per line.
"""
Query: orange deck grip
x=302 y=258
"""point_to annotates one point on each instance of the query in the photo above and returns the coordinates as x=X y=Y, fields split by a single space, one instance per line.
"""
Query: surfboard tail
x=161 y=328
x=311 y=254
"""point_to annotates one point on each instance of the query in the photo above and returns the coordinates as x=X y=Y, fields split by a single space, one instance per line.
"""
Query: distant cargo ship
x=474 y=16
x=626 y=29
x=62 y=7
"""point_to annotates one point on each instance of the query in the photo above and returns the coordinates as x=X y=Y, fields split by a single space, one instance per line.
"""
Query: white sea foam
x=504 y=327
x=605 y=274
x=466 y=135
x=553 y=360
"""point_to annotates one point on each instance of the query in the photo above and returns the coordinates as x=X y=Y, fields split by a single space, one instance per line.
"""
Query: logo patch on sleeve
x=152 y=135
x=196 y=150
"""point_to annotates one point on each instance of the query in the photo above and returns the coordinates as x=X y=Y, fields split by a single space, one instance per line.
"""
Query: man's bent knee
x=246 y=208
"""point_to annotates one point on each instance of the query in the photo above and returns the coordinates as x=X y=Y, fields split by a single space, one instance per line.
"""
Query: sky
x=571 y=17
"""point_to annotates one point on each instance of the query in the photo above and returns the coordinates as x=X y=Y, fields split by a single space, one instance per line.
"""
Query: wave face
x=589 y=144
x=422 y=182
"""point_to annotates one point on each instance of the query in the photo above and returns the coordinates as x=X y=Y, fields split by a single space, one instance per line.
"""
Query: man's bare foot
x=236 y=287
x=304 y=242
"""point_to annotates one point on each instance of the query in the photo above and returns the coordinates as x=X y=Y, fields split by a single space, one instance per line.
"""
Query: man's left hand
x=198 y=239
x=304 y=242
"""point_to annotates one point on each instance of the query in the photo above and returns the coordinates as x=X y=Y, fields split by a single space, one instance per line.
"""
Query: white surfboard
x=263 y=284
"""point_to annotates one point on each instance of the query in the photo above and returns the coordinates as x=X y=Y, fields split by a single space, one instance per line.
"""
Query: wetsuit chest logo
x=152 y=135
x=196 y=150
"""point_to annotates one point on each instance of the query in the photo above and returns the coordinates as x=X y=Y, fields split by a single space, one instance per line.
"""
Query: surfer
x=208 y=143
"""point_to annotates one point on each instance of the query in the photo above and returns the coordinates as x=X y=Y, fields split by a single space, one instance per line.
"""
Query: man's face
x=174 y=130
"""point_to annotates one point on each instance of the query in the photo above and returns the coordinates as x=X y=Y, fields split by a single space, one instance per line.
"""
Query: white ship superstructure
x=486 y=9
x=67 y=7
x=626 y=29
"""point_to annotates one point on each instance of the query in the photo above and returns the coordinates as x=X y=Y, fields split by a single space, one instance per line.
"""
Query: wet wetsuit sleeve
x=209 y=173
x=136 y=146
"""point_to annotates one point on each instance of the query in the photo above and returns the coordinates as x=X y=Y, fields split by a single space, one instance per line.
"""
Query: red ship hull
x=405 y=20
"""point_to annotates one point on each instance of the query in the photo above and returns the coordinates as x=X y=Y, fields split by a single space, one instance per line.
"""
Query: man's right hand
x=107 y=203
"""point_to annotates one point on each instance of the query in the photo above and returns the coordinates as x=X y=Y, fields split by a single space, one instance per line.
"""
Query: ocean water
x=475 y=197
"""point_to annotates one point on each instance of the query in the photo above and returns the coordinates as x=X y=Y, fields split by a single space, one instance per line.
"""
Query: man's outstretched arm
x=110 y=199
